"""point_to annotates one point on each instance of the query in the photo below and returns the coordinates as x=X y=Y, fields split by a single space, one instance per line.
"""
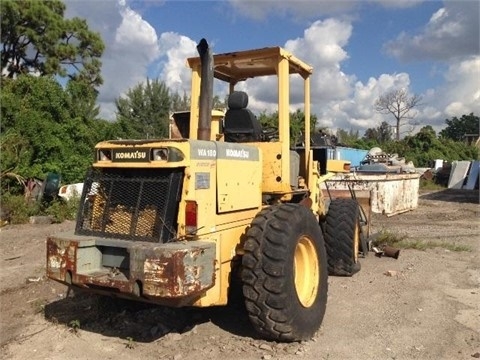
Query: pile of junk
x=377 y=161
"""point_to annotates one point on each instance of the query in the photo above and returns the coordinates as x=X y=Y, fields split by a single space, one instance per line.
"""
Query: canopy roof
x=241 y=65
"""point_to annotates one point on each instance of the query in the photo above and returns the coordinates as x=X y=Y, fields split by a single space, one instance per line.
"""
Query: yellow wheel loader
x=174 y=221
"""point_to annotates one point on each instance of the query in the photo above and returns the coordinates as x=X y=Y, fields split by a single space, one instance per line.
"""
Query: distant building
x=471 y=139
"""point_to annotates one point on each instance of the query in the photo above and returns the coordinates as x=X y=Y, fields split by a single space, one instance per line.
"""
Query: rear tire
x=342 y=237
x=284 y=273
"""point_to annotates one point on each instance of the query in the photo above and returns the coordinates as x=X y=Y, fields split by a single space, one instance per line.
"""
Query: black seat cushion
x=241 y=125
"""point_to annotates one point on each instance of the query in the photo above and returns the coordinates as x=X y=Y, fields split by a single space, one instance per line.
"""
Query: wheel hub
x=307 y=271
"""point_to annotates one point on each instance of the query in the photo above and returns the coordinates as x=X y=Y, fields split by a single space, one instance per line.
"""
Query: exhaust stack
x=206 y=91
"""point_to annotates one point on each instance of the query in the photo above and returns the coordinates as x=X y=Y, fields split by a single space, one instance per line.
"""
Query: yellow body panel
x=338 y=166
x=226 y=208
x=276 y=168
x=237 y=192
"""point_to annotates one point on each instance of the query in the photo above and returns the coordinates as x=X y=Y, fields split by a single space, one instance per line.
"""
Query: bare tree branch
x=398 y=104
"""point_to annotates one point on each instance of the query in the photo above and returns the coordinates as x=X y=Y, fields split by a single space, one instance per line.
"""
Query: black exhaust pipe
x=206 y=91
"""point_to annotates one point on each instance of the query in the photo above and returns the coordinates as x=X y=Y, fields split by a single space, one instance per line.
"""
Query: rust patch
x=61 y=257
x=181 y=272
x=103 y=280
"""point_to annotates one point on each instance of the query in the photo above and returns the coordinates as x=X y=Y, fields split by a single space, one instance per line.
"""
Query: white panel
x=458 y=174
x=473 y=175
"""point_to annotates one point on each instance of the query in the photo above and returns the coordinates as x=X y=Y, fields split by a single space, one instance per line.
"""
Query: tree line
x=423 y=147
x=51 y=69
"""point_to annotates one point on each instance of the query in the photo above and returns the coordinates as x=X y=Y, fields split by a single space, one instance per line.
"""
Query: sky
x=359 y=50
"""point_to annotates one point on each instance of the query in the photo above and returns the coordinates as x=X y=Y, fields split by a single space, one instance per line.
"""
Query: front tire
x=285 y=273
x=342 y=237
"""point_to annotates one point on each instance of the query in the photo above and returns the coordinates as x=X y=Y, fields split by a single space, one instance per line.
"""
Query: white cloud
x=452 y=32
x=172 y=69
x=357 y=111
x=134 y=30
x=322 y=46
x=323 y=42
x=459 y=95
x=172 y=66
x=131 y=45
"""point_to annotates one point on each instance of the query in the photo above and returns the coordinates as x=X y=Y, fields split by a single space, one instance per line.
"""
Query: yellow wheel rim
x=307 y=271
x=356 y=242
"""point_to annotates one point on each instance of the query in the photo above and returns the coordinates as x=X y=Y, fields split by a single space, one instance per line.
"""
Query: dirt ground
x=428 y=309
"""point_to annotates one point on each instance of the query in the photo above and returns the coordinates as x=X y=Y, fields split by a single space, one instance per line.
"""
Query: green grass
x=74 y=326
x=130 y=343
x=430 y=185
x=39 y=305
x=401 y=241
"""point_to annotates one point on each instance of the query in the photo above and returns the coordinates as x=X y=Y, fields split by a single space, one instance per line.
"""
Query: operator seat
x=240 y=124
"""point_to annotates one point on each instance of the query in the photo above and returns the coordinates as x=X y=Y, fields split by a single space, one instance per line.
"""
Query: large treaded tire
x=342 y=237
x=284 y=273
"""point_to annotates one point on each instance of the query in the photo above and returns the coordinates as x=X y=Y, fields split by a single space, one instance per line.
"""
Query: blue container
x=355 y=156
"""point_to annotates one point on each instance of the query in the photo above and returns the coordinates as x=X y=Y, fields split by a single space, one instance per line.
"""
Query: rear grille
x=130 y=204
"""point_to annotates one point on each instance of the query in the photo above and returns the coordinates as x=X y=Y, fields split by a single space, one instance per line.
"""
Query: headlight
x=169 y=154
x=104 y=155
x=160 y=154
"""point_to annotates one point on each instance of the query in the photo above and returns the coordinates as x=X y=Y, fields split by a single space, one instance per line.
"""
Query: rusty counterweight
x=164 y=273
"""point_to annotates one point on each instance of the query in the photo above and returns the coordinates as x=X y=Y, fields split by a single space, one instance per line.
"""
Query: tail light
x=191 y=217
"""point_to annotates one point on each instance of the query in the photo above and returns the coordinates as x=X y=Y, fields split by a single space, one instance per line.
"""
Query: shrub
x=17 y=209
x=63 y=210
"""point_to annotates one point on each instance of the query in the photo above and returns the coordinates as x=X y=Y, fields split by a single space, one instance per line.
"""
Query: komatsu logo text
x=237 y=153
x=130 y=155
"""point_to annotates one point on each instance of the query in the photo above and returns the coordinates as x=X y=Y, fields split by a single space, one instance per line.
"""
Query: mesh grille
x=130 y=204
